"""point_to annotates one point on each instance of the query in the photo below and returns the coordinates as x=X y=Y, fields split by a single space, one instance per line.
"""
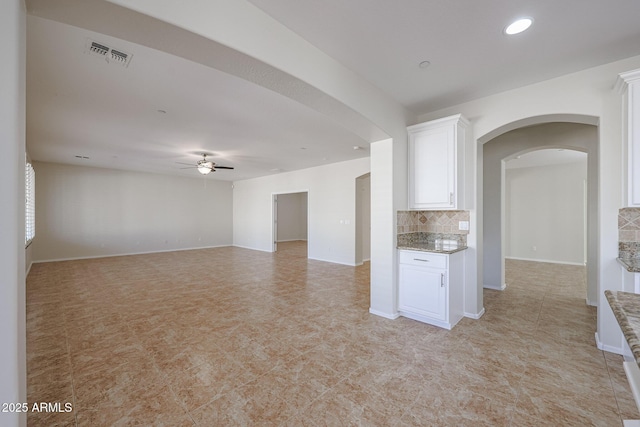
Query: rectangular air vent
x=109 y=54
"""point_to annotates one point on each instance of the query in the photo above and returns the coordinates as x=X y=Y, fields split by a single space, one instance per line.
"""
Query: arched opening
x=571 y=132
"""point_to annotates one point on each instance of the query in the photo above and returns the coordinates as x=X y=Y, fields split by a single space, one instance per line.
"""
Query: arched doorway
x=553 y=131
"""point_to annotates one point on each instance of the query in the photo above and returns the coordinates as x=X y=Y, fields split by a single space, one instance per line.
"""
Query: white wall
x=587 y=93
x=331 y=204
x=384 y=207
x=90 y=212
x=545 y=213
x=292 y=217
x=13 y=384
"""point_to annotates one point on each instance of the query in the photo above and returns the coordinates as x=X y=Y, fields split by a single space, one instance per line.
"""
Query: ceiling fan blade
x=222 y=167
x=188 y=164
x=191 y=167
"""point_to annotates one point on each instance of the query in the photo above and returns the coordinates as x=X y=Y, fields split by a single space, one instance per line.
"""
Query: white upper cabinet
x=436 y=163
x=629 y=85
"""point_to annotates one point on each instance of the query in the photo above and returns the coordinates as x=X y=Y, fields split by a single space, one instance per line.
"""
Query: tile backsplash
x=629 y=233
x=443 y=222
x=629 y=225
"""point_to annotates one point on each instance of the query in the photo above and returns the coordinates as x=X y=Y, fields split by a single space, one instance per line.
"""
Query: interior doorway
x=363 y=219
x=290 y=218
x=545 y=206
x=574 y=135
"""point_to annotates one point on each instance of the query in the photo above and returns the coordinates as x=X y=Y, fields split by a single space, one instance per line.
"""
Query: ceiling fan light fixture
x=205 y=167
x=518 y=26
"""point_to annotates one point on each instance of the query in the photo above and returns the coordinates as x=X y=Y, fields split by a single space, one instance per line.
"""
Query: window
x=30 y=204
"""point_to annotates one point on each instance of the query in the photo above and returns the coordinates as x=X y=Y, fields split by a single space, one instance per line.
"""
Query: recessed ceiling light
x=518 y=26
x=424 y=64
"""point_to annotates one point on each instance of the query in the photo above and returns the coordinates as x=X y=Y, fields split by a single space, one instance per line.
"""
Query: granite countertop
x=626 y=308
x=629 y=256
x=431 y=247
x=432 y=242
x=631 y=264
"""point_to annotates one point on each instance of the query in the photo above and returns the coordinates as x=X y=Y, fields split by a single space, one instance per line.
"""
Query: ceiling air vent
x=109 y=54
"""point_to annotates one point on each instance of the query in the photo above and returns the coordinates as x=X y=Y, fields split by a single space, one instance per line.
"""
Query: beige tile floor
x=229 y=336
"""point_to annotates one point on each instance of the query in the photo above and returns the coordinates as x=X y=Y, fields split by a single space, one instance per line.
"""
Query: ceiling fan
x=205 y=166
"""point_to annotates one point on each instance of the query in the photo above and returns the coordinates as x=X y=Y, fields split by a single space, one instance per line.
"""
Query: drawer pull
x=423 y=260
x=442 y=280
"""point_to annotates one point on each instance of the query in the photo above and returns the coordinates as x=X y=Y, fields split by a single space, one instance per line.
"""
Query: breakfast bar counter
x=626 y=308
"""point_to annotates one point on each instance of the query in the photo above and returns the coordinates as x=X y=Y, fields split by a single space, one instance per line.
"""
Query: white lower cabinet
x=430 y=287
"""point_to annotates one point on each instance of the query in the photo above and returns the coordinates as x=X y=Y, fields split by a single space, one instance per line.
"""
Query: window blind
x=30 y=204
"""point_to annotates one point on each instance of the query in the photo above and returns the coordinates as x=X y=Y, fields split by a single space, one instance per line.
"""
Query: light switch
x=463 y=225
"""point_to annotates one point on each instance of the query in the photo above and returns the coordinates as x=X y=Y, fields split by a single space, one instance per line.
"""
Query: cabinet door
x=423 y=291
x=432 y=175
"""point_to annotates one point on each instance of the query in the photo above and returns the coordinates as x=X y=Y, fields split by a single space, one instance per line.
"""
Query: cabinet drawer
x=424 y=259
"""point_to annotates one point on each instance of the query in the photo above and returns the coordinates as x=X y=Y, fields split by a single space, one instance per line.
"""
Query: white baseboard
x=495 y=287
x=591 y=303
x=252 y=249
x=350 y=264
x=545 y=260
x=28 y=269
x=292 y=240
x=129 y=254
x=439 y=323
x=393 y=316
x=474 y=315
x=609 y=348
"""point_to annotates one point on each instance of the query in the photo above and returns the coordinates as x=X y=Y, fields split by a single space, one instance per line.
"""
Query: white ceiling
x=79 y=105
x=384 y=41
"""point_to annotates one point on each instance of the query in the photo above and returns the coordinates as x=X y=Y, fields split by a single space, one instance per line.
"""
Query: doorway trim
x=274 y=217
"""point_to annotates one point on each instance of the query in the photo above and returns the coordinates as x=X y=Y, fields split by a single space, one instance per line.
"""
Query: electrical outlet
x=463 y=225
